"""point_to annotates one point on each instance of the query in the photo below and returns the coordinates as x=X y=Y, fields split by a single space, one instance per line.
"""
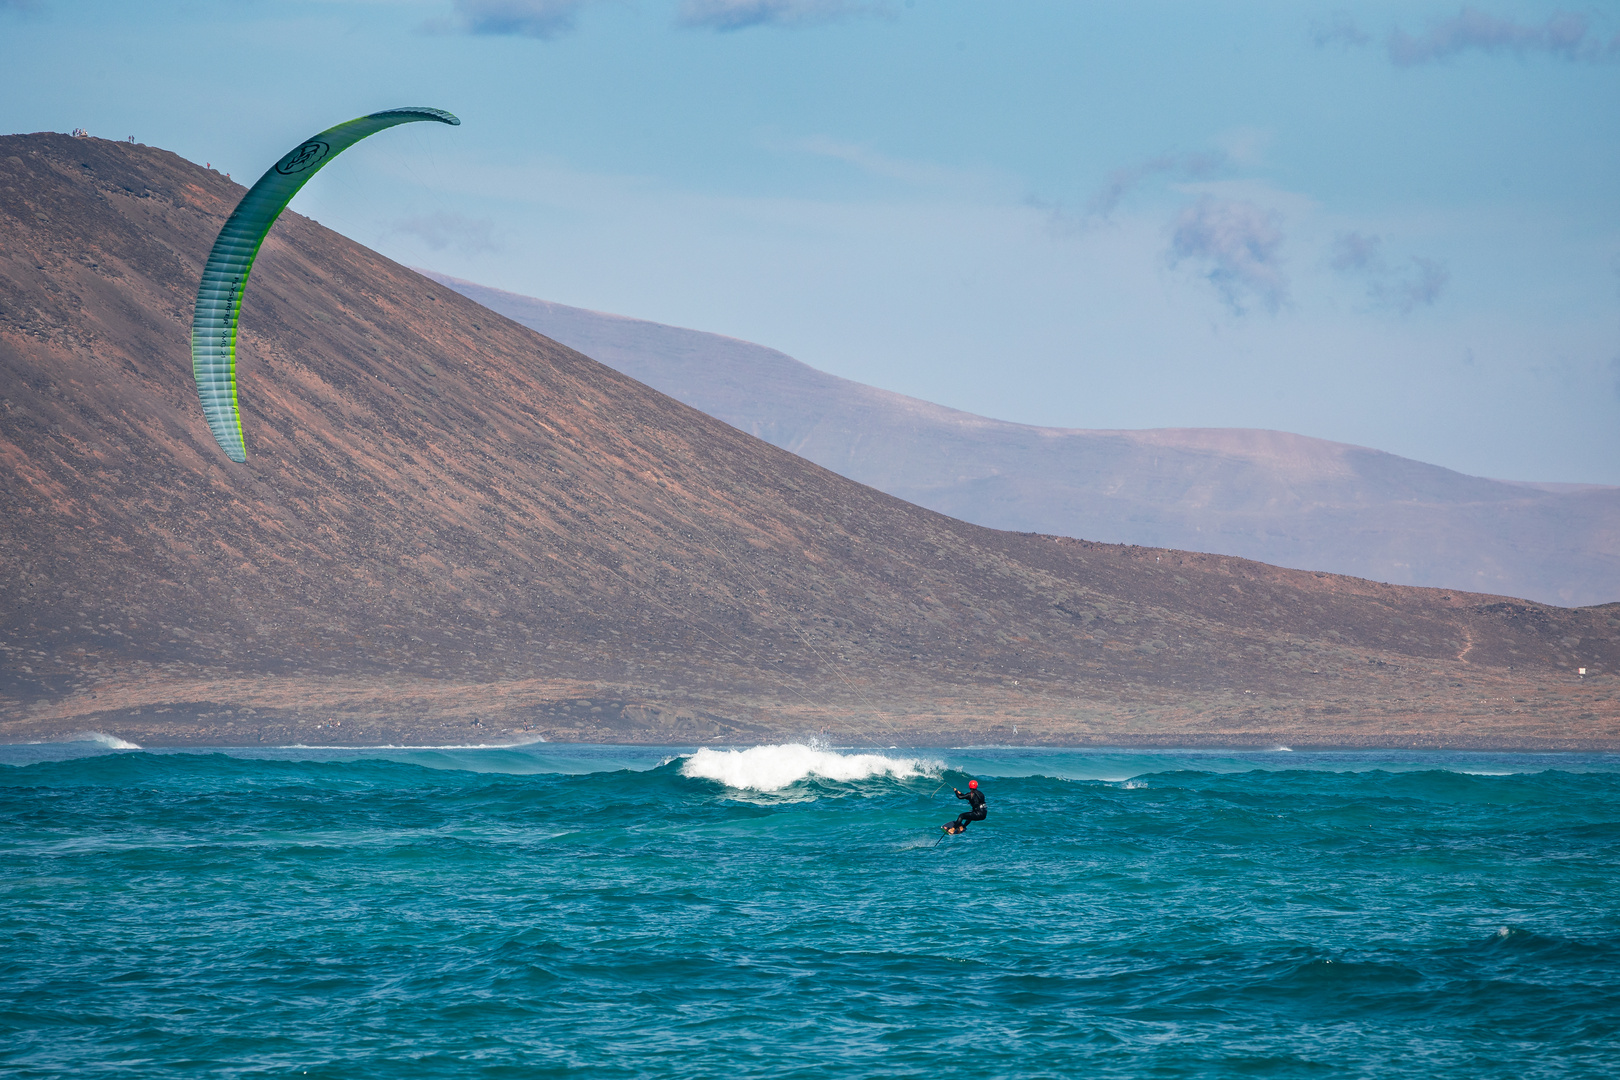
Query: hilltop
x=1277 y=497
x=451 y=528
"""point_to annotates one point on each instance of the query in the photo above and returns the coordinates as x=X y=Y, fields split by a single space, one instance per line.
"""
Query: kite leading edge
x=224 y=278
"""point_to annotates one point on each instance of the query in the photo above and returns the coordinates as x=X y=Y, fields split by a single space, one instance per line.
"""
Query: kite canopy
x=224 y=279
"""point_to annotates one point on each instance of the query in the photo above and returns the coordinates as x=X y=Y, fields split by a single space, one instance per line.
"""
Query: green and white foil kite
x=224 y=279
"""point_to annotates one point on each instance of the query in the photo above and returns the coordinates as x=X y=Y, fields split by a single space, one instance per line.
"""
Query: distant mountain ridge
x=1290 y=500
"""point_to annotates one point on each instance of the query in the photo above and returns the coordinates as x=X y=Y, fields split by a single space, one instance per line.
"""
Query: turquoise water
x=787 y=912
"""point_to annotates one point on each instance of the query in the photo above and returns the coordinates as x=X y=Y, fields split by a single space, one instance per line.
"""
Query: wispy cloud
x=547 y=19
x=1422 y=285
x=544 y=19
x=1565 y=35
x=739 y=14
x=1237 y=246
x=1355 y=252
x=875 y=162
x=1339 y=29
x=441 y=230
x=1417 y=283
x=1121 y=182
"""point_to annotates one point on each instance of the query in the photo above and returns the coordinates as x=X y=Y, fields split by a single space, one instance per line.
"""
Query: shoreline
x=113 y=744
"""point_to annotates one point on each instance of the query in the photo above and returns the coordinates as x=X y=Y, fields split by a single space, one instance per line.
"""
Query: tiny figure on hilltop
x=974 y=812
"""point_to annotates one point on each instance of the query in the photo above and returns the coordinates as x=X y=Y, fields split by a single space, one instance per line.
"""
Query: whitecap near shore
x=101 y=738
x=772 y=768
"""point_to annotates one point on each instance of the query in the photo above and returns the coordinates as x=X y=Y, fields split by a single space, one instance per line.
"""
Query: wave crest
x=772 y=768
x=101 y=738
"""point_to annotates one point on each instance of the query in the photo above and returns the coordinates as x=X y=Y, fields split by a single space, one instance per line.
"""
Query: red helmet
x=973 y=785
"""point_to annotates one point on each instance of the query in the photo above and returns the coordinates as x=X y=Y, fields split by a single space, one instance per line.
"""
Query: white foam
x=772 y=768
x=111 y=742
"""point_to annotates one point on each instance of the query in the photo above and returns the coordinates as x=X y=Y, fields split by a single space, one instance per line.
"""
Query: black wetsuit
x=975 y=811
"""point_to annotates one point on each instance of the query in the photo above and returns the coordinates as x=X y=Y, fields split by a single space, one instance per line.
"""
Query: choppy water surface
x=786 y=912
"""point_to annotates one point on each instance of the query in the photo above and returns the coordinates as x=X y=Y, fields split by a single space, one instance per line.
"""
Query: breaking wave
x=772 y=768
x=111 y=742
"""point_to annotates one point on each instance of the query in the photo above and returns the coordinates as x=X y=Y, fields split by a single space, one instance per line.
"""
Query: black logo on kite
x=304 y=158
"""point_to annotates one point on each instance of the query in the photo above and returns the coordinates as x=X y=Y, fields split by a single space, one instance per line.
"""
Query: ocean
x=793 y=911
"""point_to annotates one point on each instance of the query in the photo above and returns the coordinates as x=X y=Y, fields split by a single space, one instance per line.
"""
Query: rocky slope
x=451 y=528
x=1268 y=495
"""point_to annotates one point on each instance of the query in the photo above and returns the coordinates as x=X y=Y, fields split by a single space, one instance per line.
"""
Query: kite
x=224 y=278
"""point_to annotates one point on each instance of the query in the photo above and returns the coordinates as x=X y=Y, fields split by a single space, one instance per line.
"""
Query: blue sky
x=1396 y=225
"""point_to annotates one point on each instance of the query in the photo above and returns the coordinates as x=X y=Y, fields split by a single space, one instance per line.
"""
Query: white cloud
x=1238 y=245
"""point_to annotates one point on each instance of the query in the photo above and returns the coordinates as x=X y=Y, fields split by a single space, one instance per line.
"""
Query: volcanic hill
x=1281 y=498
x=450 y=529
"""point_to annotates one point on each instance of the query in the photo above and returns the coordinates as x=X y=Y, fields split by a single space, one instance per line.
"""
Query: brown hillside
x=1286 y=499
x=450 y=527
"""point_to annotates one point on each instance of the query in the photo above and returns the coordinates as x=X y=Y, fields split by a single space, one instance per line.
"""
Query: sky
x=1395 y=225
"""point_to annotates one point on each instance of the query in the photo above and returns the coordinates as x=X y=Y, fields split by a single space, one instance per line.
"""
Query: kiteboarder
x=974 y=812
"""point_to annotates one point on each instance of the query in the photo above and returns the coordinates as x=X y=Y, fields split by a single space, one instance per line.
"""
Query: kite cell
x=224 y=279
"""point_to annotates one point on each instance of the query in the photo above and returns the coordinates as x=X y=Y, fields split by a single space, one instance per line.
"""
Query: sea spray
x=101 y=738
x=772 y=768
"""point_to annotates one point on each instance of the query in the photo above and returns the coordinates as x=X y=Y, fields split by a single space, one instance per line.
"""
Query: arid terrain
x=1280 y=498
x=451 y=529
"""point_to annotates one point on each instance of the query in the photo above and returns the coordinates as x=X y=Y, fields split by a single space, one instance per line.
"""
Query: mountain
x=1267 y=495
x=450 y=528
